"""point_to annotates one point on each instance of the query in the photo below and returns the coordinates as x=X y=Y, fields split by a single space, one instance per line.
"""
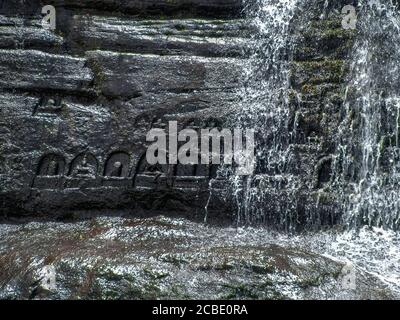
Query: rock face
x=78 y=101
x=76 y=105
x=318 y=71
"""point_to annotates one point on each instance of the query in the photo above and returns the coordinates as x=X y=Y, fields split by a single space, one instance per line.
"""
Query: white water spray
x=367 y=166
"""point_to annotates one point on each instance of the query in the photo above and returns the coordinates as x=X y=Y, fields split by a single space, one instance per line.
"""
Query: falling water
x=264 y=107
x=367 y=167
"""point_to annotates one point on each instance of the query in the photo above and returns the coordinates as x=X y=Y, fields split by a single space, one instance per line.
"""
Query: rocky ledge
x=163 y=258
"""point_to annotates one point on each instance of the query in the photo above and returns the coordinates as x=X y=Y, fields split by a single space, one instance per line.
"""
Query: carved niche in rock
x=117 y=165
x=51 y=165
x=151 y=176
x=49 y=107
x=144 y=167
x=84 y=165
x=323 y=172
x=50 y=172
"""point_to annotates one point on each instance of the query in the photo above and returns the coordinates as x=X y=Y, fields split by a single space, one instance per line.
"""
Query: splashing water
x=367 y=168
x=264 y=107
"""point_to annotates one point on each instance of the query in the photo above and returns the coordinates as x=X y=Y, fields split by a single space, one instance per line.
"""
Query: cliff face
x=76 y=105
x=77 y=101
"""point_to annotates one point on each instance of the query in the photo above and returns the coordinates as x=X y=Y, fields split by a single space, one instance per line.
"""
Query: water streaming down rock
x=367 y=168
x=278 y=193
x=364 y=170
x=264 y=107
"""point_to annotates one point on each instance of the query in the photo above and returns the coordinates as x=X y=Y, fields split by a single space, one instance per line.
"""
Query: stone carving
x=151 y=176
x=117 y=170
x=145 y=168
x=84 y=165
x=50 y=172
x=323 y=172
x=117 y=165
x=51 y=165
x=49 y=107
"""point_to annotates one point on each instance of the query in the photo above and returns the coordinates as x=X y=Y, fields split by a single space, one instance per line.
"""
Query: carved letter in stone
x=117 y=165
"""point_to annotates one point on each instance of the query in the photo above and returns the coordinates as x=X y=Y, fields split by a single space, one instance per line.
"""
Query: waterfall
x=367 y=167
x=265 y=108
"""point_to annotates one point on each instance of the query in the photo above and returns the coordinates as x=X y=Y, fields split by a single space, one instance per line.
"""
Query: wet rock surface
x=78 y=99
x=164 y=258
x=74 y=97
